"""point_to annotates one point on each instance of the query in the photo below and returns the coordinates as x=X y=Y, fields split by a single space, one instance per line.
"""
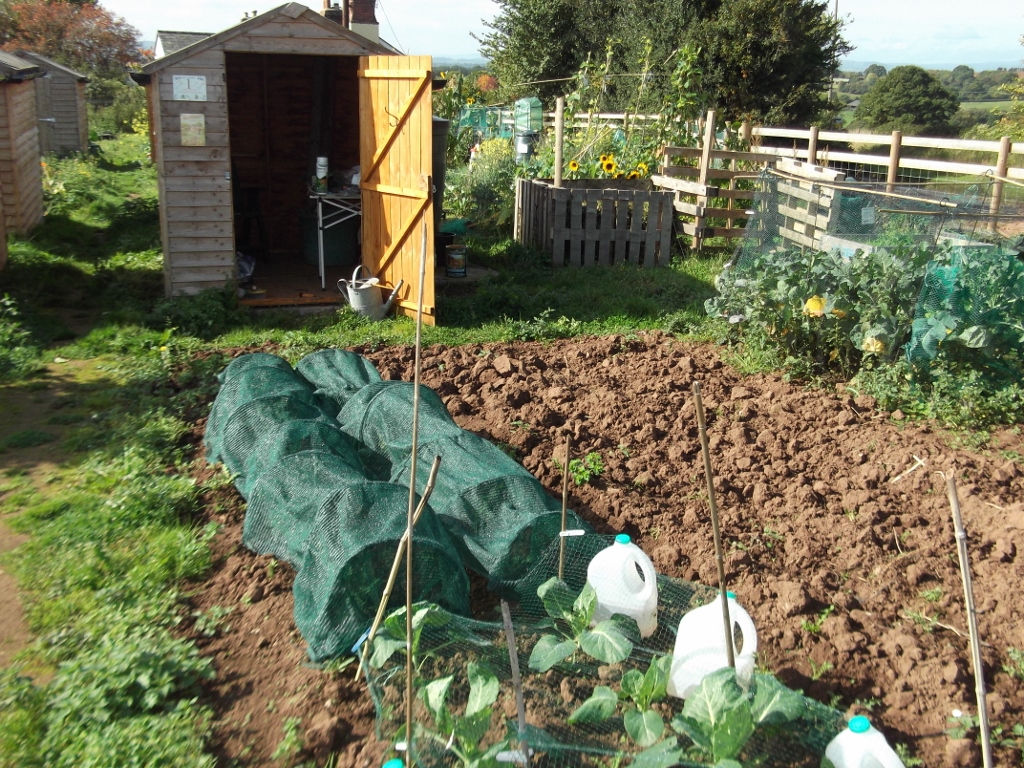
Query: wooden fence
x=595 y=222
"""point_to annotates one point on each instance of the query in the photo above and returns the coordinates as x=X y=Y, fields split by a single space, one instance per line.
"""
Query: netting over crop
x=591 y=695
x=322 y=454
x=866 y=269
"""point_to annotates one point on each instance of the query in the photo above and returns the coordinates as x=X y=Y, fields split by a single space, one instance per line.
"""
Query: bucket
x=620 y=588
x=700 y=646
x=860 y=745
x=455 y=260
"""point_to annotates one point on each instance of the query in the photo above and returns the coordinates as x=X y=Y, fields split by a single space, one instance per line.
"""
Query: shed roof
x=49 y=65
x=175 y=41
x=15 y=68
x=288 y=10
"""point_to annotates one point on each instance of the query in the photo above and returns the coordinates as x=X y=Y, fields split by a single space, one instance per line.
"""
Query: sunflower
x=642 y=169
x=574 y=166
x=471 y=100
x=814 y=306
x=633 y=175
x=608 y=166
x=605 y=159
x=839 y=313
x=618 y=175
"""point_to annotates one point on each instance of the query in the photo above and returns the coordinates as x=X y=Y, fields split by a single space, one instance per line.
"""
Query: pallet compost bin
x=595 y=222
x=60 y=105
x=21 y=183
x=238 y=120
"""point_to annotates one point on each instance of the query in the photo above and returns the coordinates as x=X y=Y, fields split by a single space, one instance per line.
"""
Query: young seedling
x=720 y=717
x=637 y=692
x=570 y=617
x=462 y=734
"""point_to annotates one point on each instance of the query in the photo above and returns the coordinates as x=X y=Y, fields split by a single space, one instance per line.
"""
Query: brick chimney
x=362 y=19
x=334 y=13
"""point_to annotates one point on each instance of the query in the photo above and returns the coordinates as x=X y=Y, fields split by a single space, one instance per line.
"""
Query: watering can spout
x=391 y=298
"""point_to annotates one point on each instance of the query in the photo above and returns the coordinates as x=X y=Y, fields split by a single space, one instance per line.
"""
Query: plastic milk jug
x=861 y=746
x=700 y=646
x=621 y=588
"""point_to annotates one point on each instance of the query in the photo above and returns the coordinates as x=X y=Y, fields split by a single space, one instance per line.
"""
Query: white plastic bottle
x=620 y=588
x=700 y=646
x=860 y=746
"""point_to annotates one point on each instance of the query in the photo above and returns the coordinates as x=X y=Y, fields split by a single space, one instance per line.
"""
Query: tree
x=771 y=60
x=875 y=69
x=765 y=59
x=81 y=35
x=910 y=100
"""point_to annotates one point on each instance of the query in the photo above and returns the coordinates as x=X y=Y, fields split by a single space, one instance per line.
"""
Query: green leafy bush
x=18 y=356
x=483 y=191
x=206 y=315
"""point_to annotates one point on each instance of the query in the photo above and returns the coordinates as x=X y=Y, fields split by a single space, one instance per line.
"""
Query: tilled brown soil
x=833 y=515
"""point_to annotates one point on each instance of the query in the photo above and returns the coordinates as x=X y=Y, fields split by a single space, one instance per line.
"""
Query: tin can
x=455 y=261
x=320 y=178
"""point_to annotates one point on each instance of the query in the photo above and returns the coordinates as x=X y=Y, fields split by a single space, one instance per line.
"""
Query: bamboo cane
x=393 y=576
x=719 y=559
x=513 y=658
x=972 y=620
x=412 y=498
x=565 y=506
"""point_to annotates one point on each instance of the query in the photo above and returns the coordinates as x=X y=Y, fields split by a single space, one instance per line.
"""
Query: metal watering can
x=364 y=296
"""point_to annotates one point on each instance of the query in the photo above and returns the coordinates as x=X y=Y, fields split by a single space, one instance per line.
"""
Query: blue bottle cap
x=622 y=538
x=731 y=595
x=859 y=724
x=395 y=762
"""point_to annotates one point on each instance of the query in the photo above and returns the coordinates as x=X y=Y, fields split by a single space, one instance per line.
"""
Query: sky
x=934 y=34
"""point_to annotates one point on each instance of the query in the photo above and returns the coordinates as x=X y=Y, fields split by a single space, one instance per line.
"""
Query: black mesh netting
x=599 y=703
x=330 y=495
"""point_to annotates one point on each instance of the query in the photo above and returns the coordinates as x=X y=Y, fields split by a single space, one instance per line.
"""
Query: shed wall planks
x=20 y=176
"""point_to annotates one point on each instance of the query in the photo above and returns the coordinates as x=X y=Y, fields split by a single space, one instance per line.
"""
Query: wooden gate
x=395 y=155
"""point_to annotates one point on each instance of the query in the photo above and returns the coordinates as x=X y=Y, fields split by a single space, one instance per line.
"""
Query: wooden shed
x=238 y=120
x=60 y=106
x=21 y=184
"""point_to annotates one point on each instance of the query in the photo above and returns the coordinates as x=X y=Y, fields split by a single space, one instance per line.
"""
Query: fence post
x=746 y=133
x=702 y=175
x=812 y=146
x=894 y=161
x=1002 y=164
x=559 y=138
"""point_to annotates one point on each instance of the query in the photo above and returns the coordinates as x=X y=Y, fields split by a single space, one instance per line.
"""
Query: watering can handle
x=355 y=274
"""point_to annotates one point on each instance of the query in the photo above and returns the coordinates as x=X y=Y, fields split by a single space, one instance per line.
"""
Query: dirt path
x=37 y=416
x=829 y=520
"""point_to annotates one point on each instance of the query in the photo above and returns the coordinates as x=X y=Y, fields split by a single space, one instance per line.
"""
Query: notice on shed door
x=193 y=130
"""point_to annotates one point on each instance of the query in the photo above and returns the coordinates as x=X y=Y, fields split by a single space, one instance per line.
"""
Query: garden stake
x=702 y=427
x=513 y=658
x=393 y=576
x=412 y=498
x=565 y=504
x=559 y=139
x=972 y=620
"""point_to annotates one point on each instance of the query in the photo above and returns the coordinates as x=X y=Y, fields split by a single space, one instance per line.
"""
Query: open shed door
x=395 y=154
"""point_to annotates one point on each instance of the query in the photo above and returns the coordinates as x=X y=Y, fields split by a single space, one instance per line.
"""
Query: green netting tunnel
x=345 y=565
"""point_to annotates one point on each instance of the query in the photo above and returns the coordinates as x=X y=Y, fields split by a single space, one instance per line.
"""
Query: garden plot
x=844 y=559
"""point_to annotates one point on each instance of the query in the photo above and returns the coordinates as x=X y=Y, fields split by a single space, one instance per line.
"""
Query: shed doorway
x=284 y=111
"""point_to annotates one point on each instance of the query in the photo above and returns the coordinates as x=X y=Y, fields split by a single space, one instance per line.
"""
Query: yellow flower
x=873 y=345
x=604 y=159
x=814 y=306
x=574 y=166
x=642 y=168
x=839 y=313
x=608 y=166
x=618 y=175
x=470 y=100
x=633 y=175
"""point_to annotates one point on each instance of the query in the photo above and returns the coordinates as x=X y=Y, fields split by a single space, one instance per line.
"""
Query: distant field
x=987 y=106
